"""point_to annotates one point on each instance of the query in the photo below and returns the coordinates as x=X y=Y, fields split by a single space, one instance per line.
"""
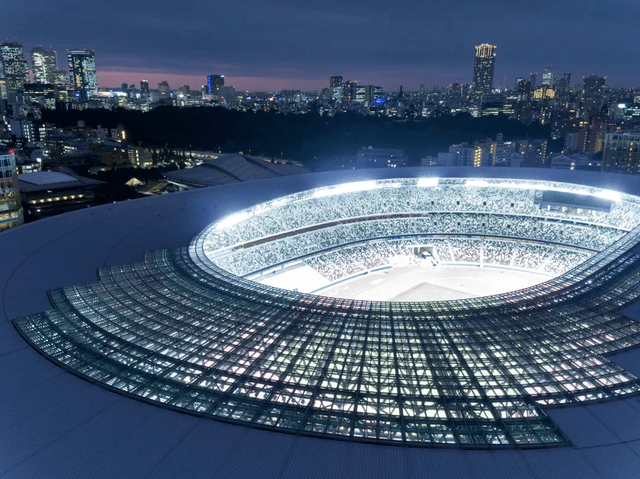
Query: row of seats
x=242 y=261
x=305 y=211
x=347 y=261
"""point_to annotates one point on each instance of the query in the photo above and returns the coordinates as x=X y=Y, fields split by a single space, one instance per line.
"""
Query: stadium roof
x=58 y=425
x=232 y=168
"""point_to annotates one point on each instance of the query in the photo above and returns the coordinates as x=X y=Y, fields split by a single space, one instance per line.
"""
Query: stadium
x=318 y=326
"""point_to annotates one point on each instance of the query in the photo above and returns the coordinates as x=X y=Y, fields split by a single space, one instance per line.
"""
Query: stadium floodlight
x=609 y=195
x=426 y=182
x=232 y=220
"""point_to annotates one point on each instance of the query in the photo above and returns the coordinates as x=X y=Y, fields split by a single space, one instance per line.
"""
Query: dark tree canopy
x=299 y=137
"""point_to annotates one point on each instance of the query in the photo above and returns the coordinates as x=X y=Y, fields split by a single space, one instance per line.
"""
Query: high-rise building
x=547 y=76
x=465 y=155
x=423 y=91
x=335 y=81
x=44 y=65
x=144 y=86
x=350 y=90
x=621 y=152
x=3 y=83
x=523 y=89
x=215 y=82
x=16 y=69
x=10 y=204
x=82 y=71
x=593 y=92
x=61 y=77
x=335 y=84
x=563 y=86
x=532 y=79
x=483 y=67
x=368 y=94
x=455 y=96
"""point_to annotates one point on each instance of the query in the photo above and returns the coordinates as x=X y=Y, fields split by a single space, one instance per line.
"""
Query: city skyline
x=113 y=79
x=285 y=45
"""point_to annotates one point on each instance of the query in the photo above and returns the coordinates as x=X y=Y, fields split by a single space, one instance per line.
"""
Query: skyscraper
x=563 y=86
x=350 y=88
x=483 y=67
x=215 y=82
x=82 y=71
x=335 y=84
x=16 y=70
x=532 y=79
x=593 y=92
x=144 y=86
x=44 y=65
x=547 y=76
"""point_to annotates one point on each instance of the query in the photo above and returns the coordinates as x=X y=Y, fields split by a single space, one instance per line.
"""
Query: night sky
x=276 y=44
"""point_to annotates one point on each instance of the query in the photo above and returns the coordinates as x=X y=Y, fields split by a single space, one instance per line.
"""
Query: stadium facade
x=536 y=383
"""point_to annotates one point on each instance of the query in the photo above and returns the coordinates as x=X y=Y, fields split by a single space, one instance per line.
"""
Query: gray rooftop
x=51 y=180
x=232 y=168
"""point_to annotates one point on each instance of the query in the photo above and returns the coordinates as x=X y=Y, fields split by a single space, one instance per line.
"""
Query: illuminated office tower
x=335 y=84
x=215 y=82
x=10 y=205
x=350 y=88
x=144 y=86
x=44 y=65
x=483 y=67
x=547 y=76
x=82 y=71
x=368 y=94
x=16 y=70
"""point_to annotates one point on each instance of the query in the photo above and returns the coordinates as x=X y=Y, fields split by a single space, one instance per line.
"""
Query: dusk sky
x=277 y=44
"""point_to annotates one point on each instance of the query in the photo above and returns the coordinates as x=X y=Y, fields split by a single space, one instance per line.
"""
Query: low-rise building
x=10 y=208
x=49 y=193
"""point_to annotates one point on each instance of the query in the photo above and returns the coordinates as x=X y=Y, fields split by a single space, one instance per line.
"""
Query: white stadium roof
x=58 y=425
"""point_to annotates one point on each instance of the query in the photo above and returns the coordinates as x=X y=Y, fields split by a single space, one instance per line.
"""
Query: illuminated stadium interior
x=449 y=238
x=201 y=330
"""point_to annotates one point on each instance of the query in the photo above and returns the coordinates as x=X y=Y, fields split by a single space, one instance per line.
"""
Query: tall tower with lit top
x=483 y=67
